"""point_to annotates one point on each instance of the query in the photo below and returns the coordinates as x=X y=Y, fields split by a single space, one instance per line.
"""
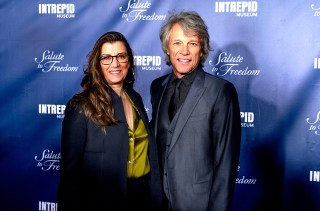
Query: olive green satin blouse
x=138 y=162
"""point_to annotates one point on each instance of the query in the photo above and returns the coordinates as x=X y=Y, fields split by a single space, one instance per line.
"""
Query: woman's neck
x=117 y=89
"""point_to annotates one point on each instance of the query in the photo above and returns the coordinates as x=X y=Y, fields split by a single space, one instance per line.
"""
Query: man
x=197 y=121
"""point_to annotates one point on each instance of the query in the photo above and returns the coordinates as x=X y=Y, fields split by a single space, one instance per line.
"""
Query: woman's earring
x=129 y=82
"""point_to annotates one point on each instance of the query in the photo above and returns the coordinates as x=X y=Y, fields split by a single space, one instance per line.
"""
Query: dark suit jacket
x=200 y=166
x=93 y=174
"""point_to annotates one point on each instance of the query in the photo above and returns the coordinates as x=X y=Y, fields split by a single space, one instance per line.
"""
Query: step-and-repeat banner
x=270 y=50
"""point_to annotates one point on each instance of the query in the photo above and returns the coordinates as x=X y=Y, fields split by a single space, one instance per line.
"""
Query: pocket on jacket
x=201 y=187
x=198 y=117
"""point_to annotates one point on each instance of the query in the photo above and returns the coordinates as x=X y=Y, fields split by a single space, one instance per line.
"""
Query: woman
x=108 y=152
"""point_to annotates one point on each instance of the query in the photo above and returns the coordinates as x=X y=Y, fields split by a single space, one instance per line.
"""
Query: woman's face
x=114 y=62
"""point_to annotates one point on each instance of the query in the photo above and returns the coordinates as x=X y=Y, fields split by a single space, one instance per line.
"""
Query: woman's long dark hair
x=95 y=98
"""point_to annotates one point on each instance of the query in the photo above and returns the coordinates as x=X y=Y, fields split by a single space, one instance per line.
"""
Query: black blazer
x=93 y=174
x=200 y=166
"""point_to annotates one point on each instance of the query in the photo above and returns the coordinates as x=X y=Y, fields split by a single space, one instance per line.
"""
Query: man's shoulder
x=213 y=78
x=158 y=81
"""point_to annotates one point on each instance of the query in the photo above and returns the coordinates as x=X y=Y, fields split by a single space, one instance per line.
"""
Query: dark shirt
x=186 y=82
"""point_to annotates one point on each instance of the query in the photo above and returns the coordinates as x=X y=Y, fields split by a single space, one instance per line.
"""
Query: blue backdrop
x=269 y=49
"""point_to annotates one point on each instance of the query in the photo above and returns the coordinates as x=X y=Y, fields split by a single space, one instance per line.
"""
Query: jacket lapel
x=139 y=106
x=196 y=91
x=163 y=87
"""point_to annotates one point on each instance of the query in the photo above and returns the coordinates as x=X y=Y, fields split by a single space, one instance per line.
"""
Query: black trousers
x=138 y=193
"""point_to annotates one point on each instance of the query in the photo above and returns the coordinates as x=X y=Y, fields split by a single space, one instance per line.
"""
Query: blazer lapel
x=140 y=107
x=193 y=97
x=164 y=84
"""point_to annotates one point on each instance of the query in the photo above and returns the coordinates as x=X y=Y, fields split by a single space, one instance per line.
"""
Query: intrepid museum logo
x=49 y=109
x=136 y=10
x=60 y=10
x=48 y=206
x=51 y=61
x=314 y=176
x=48 y=160
x=148 y=62
x=229 y=64
x=239 y=8
x=247 y=119
x=314 y=124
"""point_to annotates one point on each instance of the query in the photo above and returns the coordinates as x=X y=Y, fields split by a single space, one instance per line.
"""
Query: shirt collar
x=187 y=79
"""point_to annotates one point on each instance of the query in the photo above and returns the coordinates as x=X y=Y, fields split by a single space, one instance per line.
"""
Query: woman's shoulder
x=76 y=101
x=75 y=104
x=74 y=111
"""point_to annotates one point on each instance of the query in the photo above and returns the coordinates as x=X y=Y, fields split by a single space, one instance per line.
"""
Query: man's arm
x=227 y=135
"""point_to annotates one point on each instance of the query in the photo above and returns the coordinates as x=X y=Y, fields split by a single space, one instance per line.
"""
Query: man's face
x=184 y=51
